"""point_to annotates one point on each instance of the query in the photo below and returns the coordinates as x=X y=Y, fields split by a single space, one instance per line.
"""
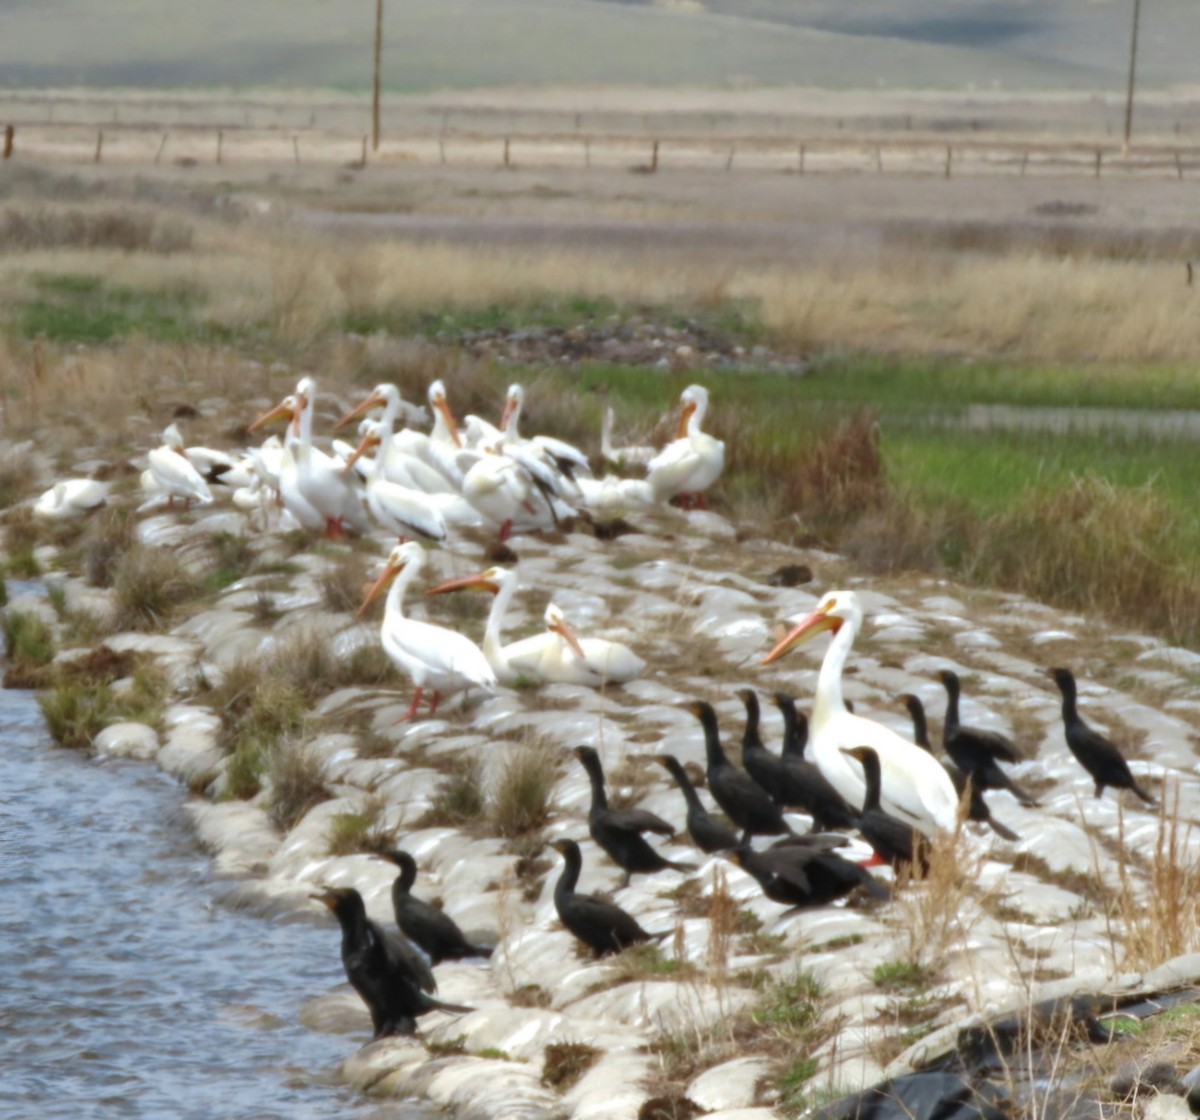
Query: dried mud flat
x=1011 y=923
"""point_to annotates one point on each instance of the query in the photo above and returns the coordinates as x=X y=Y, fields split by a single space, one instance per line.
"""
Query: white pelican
x=173 y=474
x=622 y=457
x=315 y=489
x=432 y=656
x=74 y=497
x=411 y=458
x=590 y=661
x=690 y=464
x=916 y=787
x=400 y=509
x=565 y=457
x=509 y=494
x=556 y=656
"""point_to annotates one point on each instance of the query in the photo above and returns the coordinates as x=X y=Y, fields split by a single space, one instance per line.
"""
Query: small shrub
x=296 y=778
x=564 y=1063
x=362 y=831
x=245 y=768
x=234 y=557
x=110 y=534
x=458 y=799
x=76 y=712
x=900 y=974
x=342 y=585
x=522 y=799
x=27 y=229
x=150 y=583
x=28 y=639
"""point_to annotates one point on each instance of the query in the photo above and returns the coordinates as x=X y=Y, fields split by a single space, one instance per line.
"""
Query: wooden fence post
x=587 y=152
x=441 y=149
x=363 y=158
x=654 y=157
x=1179 y=167
x=801 y=159
x=296 y=148
x=949 y=162
x=162 y=144
x=1099 y=157
x=99 y=145
x=729 y=161
x=879 y=158
x=1024 y=161
x=10 y=135
x=507 y=161
x=220 y=143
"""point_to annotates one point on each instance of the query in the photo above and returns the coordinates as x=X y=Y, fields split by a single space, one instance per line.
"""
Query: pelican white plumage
x=408 y=457
x=314 y=487
x=916 y=787
x=173 y=475
x=691 y=463
x=71 y=498
x=433 y=657
x=622 y=457
x=564 y=456
x=590 y=661
x=555 y=656
x=509 y=493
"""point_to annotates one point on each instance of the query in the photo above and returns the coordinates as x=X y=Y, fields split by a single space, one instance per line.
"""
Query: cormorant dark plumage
x=978 y=810
x=799 y=874
x=380 y=967
x=895 y=841
x=975 y=751
x=601 y=925
x=710 y=834
x=619 y=831
x=827 y=807
x=743 y=800
x=1096 y=754
x=425 y=925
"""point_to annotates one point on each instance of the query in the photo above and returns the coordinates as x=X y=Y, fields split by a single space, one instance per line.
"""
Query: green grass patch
x=80 y=308
x=892 y=975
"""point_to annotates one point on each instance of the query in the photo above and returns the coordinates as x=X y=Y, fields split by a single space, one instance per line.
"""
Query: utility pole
x=1137 y=11
x=378 y=70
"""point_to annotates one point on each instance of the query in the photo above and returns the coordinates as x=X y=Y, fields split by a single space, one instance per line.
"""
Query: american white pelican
x=74 y=497
x=315 y=489
x=401 y=510
x=590 y=661
x=916 y=787
x=690 y=464
x=565 y=457
x=509 y=495
x=407 y=457
x=174 y=475
x=622 y=457
x=434 y=657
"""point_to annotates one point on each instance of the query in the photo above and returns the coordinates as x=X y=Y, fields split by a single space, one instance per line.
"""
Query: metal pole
x=378 y=71
x=1137 y=11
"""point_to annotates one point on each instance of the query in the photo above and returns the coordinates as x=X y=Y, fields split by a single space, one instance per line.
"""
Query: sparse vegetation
x=566 y=1062
x=296 y=779
x=361 y=831
x=522 y=799
x=458 y=799
x=150 y=584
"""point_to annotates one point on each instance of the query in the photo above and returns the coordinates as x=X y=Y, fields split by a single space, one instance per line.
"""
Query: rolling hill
x=443 y=44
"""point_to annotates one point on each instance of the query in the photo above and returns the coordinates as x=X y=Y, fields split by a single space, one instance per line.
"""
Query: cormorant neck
x=572 y=863
x=750 y=737
x=951 y=721
x=408 y=874
x=596 y=776
x=920 y=727
x=685 y=784
x=713 y=751
x=871 y=776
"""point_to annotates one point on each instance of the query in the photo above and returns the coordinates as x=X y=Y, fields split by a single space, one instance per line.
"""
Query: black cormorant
x=710 y=834
x=428 y=927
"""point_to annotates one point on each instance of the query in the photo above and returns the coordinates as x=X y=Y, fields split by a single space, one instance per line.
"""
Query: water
x=126 y=990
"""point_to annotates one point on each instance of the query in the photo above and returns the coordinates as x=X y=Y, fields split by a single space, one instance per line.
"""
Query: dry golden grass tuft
x=1157 y=916
x=523 y=797
x=295 y=777
x=150 y=584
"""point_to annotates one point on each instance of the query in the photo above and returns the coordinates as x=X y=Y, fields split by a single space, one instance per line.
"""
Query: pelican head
x=694 y=400
x=382 y=396
x=285 y=410
x=556 y=622
x=369 y=431
x=439 y=403
x=492 y=581
x=513 y=401
x=835 y=609
x=407 y=555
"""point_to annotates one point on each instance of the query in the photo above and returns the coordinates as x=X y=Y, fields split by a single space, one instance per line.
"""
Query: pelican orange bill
x=466 y=583
x=375 y=400
x=816 y=623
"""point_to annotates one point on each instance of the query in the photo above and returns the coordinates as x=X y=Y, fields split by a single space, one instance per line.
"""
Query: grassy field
x=111 y=325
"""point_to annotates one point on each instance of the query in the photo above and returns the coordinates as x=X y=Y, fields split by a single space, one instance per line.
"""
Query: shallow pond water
x=128 y=990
